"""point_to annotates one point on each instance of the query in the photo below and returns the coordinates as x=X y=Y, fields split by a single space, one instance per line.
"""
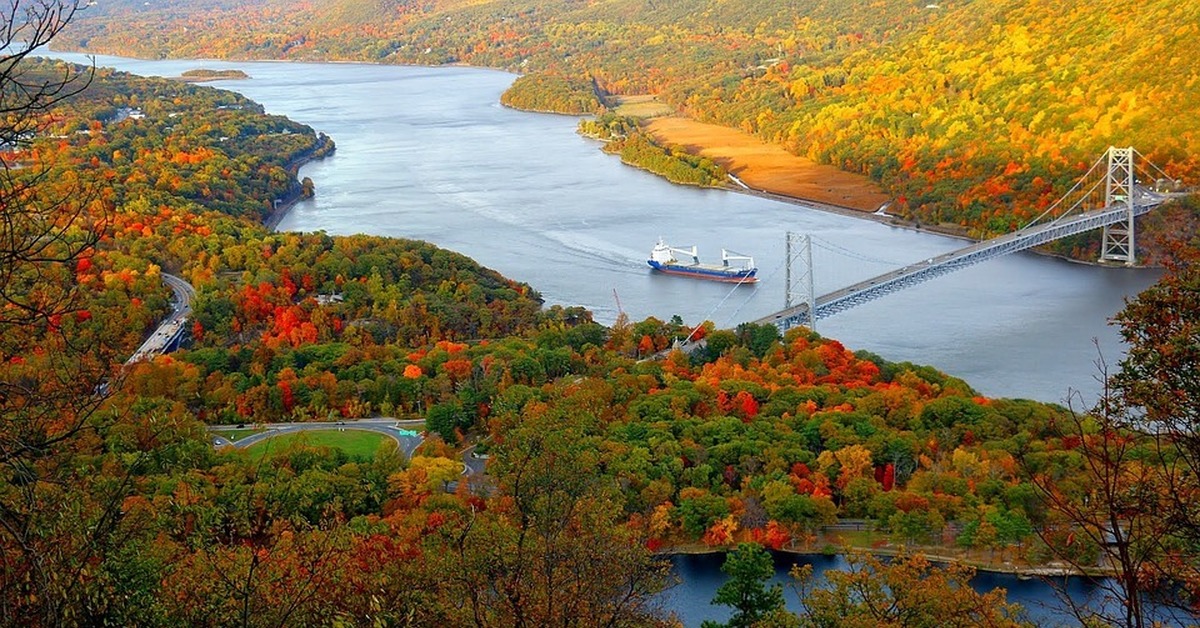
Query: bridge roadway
x=868 y=290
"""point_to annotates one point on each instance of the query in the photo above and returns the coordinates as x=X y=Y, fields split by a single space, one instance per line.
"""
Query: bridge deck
x=922 y=271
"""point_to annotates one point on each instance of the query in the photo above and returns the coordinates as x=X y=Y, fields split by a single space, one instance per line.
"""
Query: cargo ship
x=662 y=259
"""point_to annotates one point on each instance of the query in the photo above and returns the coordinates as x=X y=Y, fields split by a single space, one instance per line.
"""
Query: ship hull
x=709 y=273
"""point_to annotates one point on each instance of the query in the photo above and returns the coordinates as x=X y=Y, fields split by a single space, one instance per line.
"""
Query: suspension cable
x=724 y=299
x=835 y=248
x=1075 y=187
x=751 y=295
x=1143 y=160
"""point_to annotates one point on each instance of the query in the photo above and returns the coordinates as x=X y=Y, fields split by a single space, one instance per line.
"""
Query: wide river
x=429 y=153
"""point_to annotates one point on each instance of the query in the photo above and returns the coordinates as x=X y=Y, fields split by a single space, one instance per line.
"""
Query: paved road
x=184 y=293
x=474 y=465
x=171 y=326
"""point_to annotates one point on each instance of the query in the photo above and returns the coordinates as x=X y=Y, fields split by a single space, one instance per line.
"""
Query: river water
x=428 y=153
x=700 y=576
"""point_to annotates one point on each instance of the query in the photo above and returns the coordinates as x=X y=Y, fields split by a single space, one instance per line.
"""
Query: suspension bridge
x=1109 y=195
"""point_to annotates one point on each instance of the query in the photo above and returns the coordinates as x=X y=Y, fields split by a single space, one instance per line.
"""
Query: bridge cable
x=1152 y=165
x=731 y=318
x=1068 y=193
x=834 y=248
x=716 y=307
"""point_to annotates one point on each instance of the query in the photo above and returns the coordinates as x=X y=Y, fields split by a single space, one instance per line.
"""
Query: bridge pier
x=1119 y=243
x=1123 y=201
x=807 y=278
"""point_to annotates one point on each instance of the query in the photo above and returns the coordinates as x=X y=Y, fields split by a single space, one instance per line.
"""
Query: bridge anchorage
x=1110 y=195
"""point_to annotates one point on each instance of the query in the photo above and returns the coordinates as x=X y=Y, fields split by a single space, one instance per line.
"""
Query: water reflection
x=700 y=575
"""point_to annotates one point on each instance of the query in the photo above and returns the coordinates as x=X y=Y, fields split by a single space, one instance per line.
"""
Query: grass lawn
x=863 y=539
x=358 y=444
x=642 y=106
x=236 y=435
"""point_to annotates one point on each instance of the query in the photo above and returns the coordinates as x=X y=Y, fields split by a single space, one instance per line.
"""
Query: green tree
x=749 y=568
x=802 y=511
x=716 y=344
x=549 y=549
x=700 y=512
x=445 y=418
x=758 y=338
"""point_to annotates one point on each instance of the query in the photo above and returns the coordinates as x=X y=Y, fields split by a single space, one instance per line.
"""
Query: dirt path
x=768 y=167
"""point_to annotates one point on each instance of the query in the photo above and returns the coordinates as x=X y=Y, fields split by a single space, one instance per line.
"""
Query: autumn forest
x=600 y=450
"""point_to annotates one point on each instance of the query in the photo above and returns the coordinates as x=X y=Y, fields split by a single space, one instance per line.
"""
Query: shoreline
x=277 y=214
x=323 y=149
x=1017 y=571
x=850 y=212
x=272 y=220
x=73 y=50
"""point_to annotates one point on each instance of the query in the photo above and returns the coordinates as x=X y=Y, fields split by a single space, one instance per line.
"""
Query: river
x=429 y=153
x=700 y=576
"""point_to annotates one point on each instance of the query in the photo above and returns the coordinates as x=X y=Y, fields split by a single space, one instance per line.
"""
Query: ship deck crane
x=727 y=256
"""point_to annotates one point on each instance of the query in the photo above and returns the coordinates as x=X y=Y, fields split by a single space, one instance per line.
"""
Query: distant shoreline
x=1020 y=572
x=811 y=203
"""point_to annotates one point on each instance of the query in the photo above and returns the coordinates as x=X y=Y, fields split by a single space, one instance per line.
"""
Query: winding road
x=172 y=327
x=406 y=432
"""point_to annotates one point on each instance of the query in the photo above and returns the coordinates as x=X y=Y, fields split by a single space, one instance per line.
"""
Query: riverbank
x=936 y=554
x=768 y=171
x=282 y=206
x=768 y=167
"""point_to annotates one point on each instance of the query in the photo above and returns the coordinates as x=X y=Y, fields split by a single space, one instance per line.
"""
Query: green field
x=358 y=444
x=238 y=434
x=642 y=106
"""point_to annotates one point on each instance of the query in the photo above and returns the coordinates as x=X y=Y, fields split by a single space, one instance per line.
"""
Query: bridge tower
x=1118 y=244
x=801 y=245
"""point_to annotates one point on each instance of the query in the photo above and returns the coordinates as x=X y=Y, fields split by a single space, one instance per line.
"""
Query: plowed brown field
x=768 y=167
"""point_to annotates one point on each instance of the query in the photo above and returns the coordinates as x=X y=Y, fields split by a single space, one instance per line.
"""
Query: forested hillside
x=972 y=114
x=117 y=509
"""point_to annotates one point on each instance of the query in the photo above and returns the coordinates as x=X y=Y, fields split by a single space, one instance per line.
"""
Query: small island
x=201 y=75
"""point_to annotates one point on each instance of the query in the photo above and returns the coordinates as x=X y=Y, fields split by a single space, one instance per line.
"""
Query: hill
x=969 y=113
x=115 y=508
